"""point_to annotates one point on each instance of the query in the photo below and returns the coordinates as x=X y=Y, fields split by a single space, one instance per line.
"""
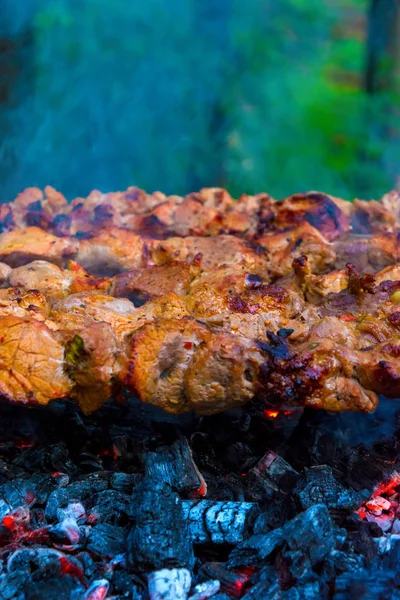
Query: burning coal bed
x=252 y=504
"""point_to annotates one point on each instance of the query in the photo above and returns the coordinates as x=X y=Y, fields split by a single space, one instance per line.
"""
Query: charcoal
x=169 y=584
x=106 y=540
x=265 y=585
x=78 y=491
x=176 y=467
x=112 y=507
x=203 y=591
x=272 y=518
x=307 y=538
x=160 y=536
x=312 y=590
x=360 y=542
x=123 y=582
x=67 y=535
x=275 y=472
x=12 y=585
x=89 y=567
x=65 y=588
x=310 y=537
x=391 y=558
x=219 y=522
x=366 y=585
x=97 y=590
x=124 y=482
x=231 y=582
x=338 y=562
x=317 y=485
x=256 y=549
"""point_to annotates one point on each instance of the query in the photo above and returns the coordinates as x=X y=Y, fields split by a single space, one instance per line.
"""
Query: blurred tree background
x=278 y=96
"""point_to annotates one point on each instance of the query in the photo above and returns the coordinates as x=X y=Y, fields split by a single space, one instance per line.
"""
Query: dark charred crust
x=37 y=219
x=392 y=350
x=6 y=221
x=241 y=305
x=103 y=212
x=359 y=284
x=394 y=319
x=35 y=206
x=61 y=225
x=152 y=227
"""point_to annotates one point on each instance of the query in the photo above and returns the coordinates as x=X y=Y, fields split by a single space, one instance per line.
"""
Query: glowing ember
x=271 y=414
x=382 y=507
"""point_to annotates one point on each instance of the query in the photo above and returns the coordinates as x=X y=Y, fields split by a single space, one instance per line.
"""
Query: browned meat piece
x=42 y=275
x=31 y=362
x=367 y=253
x=222 y=374
x=240 y=303
x=5 y=272
x=215 y=251
x=159 y=357
x=32 y=304
x=319 y=374
x=94 y=358
x=157 y=280
x=22 y=246
x=111 y=251
x=319 y=210
x=377 y=217
x=283 y=247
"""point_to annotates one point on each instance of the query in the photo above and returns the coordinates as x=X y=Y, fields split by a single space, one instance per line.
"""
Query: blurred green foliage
x=254 y=96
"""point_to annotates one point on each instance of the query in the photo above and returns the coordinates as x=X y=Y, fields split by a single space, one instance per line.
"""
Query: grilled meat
x=200 y=302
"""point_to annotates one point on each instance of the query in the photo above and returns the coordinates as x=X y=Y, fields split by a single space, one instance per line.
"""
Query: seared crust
x=200 y=302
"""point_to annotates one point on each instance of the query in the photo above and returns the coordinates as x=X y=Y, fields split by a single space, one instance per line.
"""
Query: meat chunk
x=317 y=209
x=215 y=251
x=111 y=251
x=222 y=374
x=284 y=247
x=153 y=281
x=159 y=357
x=42 y=275
x=22 y=246
x=31 y=362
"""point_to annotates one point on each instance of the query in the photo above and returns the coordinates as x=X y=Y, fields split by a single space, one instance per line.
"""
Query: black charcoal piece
x=317 y=485
x=124 y=482
x=276 y=472
x=312 y=590
x=106 y=540
x=306 y=540
x=112 y=507
x=360 y=542
x=367 y=585
x=273 y=517
x=309 y=537
x=219 y=522
x=12 y=585
x=78 y=491
x=176 y=467
x=265 y=585
x=159 y=537
x=232 y=582
x=338 y=561
x=257 y=549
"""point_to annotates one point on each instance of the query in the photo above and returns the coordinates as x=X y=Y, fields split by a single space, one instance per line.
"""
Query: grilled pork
x=200 y=302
